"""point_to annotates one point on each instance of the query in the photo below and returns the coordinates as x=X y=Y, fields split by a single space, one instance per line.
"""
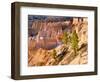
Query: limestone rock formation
x=47 y=35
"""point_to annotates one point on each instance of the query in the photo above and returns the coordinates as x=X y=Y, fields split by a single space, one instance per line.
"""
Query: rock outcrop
x=41 y=56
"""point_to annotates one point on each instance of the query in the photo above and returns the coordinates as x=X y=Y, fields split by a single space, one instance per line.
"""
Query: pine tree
x=65 y=38
x=54 y=53
x=74 y=41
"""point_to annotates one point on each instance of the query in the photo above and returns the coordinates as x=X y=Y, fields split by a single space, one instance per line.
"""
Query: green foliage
x=65 y=38
x=54 y=54
x=74 y=41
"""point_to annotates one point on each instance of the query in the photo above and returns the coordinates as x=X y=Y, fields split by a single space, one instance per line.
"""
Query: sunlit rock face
x=75 y=21
x=81 y=28
x=80 y=25
x=82 y=31
x=41 y=57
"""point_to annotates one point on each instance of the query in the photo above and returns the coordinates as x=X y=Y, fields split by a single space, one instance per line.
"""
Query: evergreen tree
x=65 y=38
x=74 y=41
x=54 y=54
